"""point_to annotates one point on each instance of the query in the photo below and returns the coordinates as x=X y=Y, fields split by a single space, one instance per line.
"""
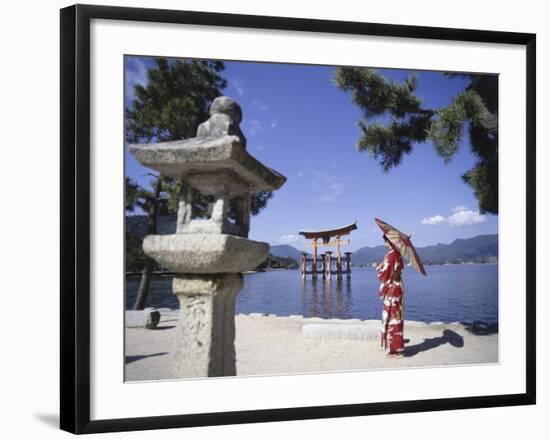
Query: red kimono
x=391 y=293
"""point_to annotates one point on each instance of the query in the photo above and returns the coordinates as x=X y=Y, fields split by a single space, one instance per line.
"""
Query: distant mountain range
x=482 y=248
x=285 y=251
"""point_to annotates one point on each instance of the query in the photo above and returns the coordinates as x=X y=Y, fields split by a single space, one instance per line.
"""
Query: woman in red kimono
x=391 y=293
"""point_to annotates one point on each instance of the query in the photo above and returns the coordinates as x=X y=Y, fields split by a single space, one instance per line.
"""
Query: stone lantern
x=210 y=249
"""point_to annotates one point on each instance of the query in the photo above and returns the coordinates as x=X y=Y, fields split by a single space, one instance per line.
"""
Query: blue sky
x=297 y=122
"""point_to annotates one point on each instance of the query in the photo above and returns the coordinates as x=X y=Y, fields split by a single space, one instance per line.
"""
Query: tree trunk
x=144 y=284
x=147 y=273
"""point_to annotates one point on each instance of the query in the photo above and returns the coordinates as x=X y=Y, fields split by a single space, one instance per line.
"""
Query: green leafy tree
x=395 y=120
x=174 y=101
x=170 y=107
x=272 y=261
x=150 y=202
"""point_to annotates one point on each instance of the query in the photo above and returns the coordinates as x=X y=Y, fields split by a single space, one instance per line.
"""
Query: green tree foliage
x=395 y=120
x=174 y=101
x=170 y=107
x=277 y=262
x=135 y=258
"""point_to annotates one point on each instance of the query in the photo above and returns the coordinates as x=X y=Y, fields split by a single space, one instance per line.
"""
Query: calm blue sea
x=449 y=293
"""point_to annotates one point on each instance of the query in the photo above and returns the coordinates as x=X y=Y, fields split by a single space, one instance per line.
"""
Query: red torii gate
x=326 y=259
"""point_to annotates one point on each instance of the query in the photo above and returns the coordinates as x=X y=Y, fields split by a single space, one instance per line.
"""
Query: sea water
x=449 y=293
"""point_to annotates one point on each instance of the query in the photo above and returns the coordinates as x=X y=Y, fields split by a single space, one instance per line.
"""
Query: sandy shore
x=268 y=345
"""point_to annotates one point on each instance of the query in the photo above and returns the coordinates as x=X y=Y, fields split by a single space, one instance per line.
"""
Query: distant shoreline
x=170 y=273
x=434 y=265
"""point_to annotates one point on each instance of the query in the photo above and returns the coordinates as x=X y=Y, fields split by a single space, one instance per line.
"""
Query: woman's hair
x=386 y=239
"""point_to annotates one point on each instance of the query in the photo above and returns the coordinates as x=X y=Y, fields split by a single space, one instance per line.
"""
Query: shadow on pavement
x=448 y=336
x=131 y=358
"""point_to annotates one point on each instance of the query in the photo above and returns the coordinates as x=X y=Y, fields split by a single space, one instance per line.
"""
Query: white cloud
x=460 y=208
x=300 y=174
x=465 y=218
x=259 y=105
x=331 y=187
x=329 y=198
x=288 y=239
x=274 y=123
x=461 y=216
x=434 y=220
x=253 y=127
x=238 y=85
x=336 y=187
x=136 y=72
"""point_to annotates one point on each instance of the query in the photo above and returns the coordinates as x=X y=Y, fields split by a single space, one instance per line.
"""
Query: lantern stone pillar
x=205 y=336
x=209 y=251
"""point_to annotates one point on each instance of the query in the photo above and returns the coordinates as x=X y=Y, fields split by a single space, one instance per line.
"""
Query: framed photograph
x=275 y=218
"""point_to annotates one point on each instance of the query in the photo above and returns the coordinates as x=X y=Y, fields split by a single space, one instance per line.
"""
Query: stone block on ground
x=342 y=331
x=147 y=318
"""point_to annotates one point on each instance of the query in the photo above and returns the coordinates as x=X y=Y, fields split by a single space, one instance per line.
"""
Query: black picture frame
x=75 y=217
